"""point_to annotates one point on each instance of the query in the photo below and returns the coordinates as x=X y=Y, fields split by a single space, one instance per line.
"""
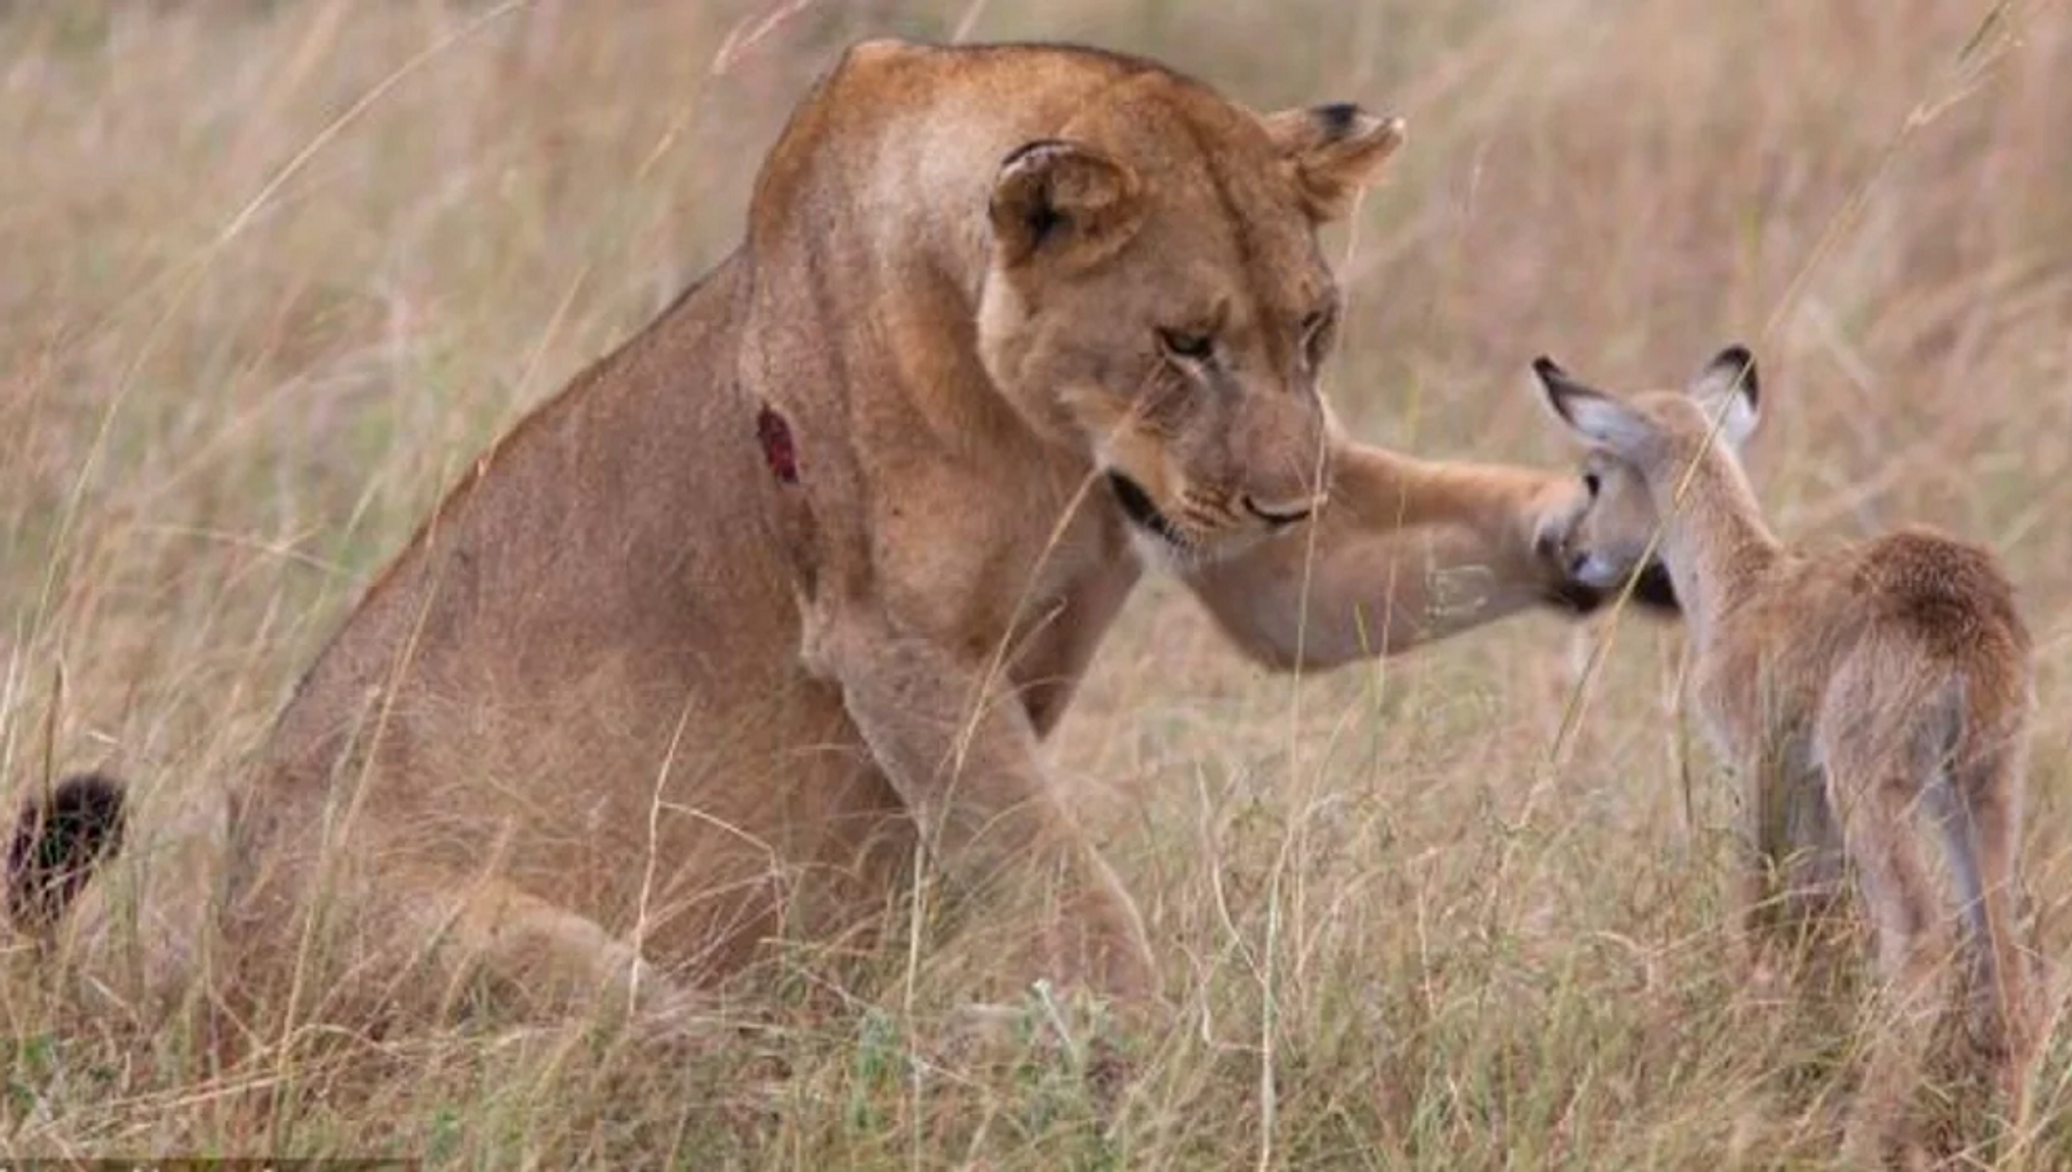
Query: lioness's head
x=1157 y=294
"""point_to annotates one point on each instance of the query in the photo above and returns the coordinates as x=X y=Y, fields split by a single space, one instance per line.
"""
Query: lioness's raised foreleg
x=1405 y=551
x=957 y=746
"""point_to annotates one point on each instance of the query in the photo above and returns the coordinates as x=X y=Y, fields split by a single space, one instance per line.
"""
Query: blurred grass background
x=272 y=272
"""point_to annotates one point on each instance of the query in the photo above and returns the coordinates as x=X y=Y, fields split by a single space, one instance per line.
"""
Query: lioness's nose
x=1279 y=513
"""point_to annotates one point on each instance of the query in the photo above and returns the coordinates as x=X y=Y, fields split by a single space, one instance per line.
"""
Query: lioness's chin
x=1159 y=554
x=1159 y=542
x=1143 y=513
x=1181 y=560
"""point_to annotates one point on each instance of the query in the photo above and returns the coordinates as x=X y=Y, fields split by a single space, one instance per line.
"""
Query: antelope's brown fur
x=1864 y=694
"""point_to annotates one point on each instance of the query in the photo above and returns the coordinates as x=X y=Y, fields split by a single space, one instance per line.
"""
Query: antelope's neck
x=1714 y=542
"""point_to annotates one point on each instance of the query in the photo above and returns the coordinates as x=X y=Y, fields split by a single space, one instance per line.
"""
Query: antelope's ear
x=1599 y=419
x=1333 y=151
x=1063 y=200
x=1728 y=385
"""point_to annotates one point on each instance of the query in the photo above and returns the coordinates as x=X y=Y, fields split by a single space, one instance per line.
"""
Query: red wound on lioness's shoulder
x=778 y=451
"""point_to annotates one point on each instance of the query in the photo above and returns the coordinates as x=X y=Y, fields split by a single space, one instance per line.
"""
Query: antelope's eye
x=1591 y=484
x=1186 y=344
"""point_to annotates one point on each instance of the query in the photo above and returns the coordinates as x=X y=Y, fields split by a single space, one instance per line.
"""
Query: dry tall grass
x=274 y=271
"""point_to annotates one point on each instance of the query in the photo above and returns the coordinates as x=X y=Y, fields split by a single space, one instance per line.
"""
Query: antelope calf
x=1851 y=690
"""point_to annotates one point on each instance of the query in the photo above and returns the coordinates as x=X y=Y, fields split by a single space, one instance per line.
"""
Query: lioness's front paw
x=1579 y=582
x=1556 y=513
x=1554 y=517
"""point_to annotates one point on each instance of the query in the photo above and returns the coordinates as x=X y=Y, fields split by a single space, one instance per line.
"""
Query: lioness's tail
x=59 y=837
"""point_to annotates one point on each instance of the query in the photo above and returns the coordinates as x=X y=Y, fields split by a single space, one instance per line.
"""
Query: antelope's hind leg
x=1793 y=897
x=1874 y=795
x=1979 y=816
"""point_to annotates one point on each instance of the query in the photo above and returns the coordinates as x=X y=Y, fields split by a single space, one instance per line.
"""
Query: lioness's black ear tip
x=1337 y=119
x=1334 y=122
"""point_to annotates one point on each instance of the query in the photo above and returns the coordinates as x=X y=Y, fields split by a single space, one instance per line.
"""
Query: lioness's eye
x=1186 y=344
x=1591 y=484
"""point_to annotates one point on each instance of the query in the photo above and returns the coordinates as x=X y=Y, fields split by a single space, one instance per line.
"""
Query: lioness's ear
x=1590 y=413
x=1728 y=384
x=1333 y=151
x=1064 y=196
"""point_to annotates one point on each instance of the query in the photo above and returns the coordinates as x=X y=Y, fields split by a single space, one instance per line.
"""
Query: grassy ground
x=270 y=273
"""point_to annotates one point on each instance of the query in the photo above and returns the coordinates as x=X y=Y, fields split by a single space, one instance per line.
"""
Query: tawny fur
x=1855 y=690
x=801 y=575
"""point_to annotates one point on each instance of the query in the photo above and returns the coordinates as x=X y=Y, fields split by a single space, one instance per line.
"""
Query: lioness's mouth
x=1136 y=505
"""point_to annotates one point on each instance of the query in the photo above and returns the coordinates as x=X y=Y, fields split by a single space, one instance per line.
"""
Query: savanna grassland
x=272 y=273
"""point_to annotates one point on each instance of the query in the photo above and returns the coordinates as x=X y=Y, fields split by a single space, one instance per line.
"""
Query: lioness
x=798 y=578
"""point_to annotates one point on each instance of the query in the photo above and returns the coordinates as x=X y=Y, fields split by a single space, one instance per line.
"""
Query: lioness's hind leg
x=550 y=954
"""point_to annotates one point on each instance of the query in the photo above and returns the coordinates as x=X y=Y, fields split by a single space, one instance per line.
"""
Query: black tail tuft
x=58 y=839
